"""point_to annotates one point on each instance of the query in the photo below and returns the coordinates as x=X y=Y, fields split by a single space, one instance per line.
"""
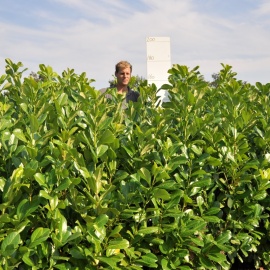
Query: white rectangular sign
x=158 y=62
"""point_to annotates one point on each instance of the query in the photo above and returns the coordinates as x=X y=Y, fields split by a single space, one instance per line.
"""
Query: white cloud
x=97 y=34
x=263 y=8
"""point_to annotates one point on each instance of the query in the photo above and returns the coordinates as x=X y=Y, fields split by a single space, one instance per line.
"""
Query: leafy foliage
x=86 y=184
x=135 y=81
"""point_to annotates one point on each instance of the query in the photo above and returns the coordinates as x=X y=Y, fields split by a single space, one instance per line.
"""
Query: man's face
x=123 y=76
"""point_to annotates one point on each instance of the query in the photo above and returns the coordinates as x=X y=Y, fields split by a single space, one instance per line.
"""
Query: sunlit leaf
x=38 y=236
x=118 y=244
x=10 y=243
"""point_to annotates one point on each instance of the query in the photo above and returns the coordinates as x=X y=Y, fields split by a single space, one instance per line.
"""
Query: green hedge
x=86 y=184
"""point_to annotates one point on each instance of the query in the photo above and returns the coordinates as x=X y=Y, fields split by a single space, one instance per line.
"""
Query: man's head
x=123 y=71
x=121 y=65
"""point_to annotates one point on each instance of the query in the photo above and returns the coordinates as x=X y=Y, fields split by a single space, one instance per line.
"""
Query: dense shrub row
x=86 y=184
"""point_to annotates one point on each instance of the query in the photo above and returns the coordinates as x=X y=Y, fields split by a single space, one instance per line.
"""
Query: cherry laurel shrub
x=86 y=183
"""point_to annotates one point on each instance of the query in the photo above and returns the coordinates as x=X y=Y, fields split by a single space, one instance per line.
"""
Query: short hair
x=121 y=65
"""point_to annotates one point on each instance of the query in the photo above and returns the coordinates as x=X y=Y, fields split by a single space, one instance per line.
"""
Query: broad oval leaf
x=212 y=211
x=145 y=174
x=213 y=219
x=26 y=207
x=207 y=263
x=224 y=237
x=27 y=260
x=101 y=150
x=163 y=194
x=20 y=135
x=38 y=236
x=217 y=257
x=45 y=195
x=260 y=195
x=202 y=183
x=214 y=161
x=111 y=261
x=118 y=244
x=149 y=260
x=40 y=178
x=107 y=137
x=10 y=243
x=148 y=230
x=34 y=125
x=200 y=201
x=101 y=220
x=62 y=99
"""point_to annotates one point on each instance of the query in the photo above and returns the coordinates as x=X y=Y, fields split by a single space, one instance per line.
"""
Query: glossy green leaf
x=161 y=194
x=111 y=261
x=214 y=161
x=212 y=219
x=224 y=237
x=62 y=99
x=38 y=236
x=101 y=221
x=63 y=185
x=101 y=150
x=202 y=183
x=107 y=137
x=212 y=211
x=196 y=240
x=19 y=134
x=260 y=195
x=27 y=260
x=217 y=257
x=145 y=174
x=149 y=260
x=192 y=227
x=10 y=243
x=26 y=207
x=45 y=195
x=148 y=230
x=34 y=125
x=207 y=263
x=40 y=178
x=200 y=201
x=118 y=244
x=185 y=267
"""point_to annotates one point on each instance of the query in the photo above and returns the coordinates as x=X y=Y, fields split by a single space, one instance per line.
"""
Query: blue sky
x=91 y=36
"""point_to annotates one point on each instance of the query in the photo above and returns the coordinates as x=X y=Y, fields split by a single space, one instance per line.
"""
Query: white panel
x=158 y=62
x=158 y=71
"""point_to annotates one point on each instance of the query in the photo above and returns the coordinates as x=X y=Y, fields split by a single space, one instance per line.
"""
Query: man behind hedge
x=123 y=71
